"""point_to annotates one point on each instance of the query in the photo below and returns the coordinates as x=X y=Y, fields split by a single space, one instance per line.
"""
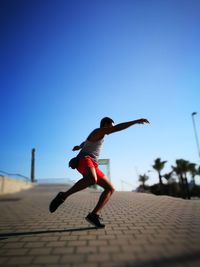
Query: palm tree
x=143 y=179
x=168 y=176
x=198 y=171
x=171 y=183
x=181 y=169
x=193 y=171
x=158 y=166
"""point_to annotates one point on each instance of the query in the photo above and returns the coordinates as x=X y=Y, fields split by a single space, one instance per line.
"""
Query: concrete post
x=33 y=165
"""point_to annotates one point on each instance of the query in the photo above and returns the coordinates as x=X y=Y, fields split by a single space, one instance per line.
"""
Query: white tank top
x=92 y=149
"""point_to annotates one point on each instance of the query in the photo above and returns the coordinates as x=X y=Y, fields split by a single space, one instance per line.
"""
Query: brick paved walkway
x=142 y=230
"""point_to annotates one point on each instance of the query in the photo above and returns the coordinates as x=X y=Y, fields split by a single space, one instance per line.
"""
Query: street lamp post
x=195 y=132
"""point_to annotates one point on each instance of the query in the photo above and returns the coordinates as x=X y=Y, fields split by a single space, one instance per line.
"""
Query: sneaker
x=95 y=220
x=56 y=202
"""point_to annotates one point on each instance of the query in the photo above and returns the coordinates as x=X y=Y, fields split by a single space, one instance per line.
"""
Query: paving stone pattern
x=142 y=230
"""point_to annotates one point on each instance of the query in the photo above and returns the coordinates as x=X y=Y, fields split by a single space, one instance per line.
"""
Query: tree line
x=179 y=182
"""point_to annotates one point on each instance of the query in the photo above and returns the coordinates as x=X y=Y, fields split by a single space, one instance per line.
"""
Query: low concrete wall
x=8 y=185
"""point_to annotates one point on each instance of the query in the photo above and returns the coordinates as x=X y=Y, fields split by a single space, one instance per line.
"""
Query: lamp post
x=195 y=132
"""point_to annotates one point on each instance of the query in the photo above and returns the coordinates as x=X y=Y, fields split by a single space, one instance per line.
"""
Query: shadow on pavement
x=7 y=235
x=187 y=259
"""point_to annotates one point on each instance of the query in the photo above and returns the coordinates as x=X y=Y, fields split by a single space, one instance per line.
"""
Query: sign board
x=104 y=166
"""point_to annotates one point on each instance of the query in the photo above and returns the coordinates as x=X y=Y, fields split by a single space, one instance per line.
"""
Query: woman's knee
x=112 y=190
x=93 y=180
x=109 y=189
x=106 y=185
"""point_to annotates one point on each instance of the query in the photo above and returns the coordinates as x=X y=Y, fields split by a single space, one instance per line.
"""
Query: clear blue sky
x=66 y=64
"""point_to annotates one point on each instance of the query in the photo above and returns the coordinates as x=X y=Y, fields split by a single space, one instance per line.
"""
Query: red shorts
x=88 y=162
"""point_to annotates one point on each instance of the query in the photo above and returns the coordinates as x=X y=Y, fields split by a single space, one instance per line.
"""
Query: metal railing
x=14 y=175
